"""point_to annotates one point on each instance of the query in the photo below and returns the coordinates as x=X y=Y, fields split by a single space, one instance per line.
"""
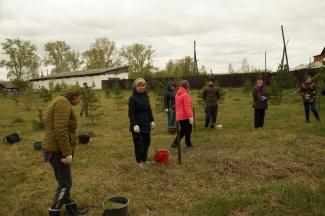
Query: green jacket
x=210 y=95
x=61 y=125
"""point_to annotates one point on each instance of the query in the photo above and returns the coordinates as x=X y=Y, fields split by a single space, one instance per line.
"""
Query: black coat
x=169 y=99
x=140 y=112
x=308 y=92
x=257 y=102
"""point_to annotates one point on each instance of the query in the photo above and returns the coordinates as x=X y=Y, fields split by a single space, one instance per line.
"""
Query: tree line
x=23 y=63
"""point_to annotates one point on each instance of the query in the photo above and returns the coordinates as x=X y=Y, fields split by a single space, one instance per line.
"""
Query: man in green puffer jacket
x=211 y=95
x=59 y=145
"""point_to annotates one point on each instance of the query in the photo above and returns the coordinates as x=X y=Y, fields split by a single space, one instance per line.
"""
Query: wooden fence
x=224 y=80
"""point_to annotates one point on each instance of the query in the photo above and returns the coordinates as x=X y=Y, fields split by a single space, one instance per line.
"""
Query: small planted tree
x=159 y=96
x=118 y=94
x=38 y=124
x=222 y=93
x=107 y=92
x=28 y=98
x=281 y=80
x=93 y=106
x=57 y=87
x=51 y=86
x=275 y=92
x=93 y=85
x=63 y=85
x=247 y=87
x=44 y=94
x=320 y=83
x=15 y=96
x=199 y=98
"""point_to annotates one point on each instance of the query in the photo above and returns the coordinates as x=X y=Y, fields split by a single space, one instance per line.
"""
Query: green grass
x=237 y=170
x=276 y=199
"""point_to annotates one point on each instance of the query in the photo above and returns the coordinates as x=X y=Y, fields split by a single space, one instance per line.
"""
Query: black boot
x=174 y=145
x=72 y=209
x=53 y=212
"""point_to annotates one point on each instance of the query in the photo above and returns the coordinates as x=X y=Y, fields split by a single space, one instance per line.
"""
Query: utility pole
x=284 y=48
x=265 y=62
x=309 y=66
x=196 y=71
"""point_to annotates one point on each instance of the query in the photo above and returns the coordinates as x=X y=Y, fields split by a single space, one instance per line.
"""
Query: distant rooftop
x=8 y=84
x=88 y=72
x=322 y=53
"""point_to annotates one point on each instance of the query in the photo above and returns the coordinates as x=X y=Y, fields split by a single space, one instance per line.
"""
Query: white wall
x=73 y=80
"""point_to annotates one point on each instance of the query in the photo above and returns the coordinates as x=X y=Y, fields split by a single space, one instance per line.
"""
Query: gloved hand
x=263 y=98
x=191 y=121
x=136 y=128
x=66 y=159
x=153 y=125
x=166 y=110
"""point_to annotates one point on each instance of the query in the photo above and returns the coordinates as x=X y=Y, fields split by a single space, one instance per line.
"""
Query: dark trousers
x=311 y=106
x=171 y=115
x=141 y=143
x=259 y=118
x=84 y=108
x=186 y=130
x=63 y=177
x=211 y=116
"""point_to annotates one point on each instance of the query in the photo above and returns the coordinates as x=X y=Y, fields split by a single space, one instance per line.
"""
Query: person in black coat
x=260 y=98
x=308 y=93
x=141 y=120
x=169 y=105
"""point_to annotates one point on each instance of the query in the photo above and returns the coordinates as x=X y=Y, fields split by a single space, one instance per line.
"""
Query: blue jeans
x=171 y=115
x=211 y=116
x=311 y=106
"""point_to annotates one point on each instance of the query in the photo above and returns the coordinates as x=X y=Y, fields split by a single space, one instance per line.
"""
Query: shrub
x=39 y=123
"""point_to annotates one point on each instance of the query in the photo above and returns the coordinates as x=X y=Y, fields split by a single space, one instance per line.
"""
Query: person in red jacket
x=184 y=113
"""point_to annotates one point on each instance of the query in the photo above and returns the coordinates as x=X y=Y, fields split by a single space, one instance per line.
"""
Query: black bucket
x=83 y=139
x=12 y=138
x=116 y=206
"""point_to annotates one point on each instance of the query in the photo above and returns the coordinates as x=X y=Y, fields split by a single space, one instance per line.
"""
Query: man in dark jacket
x=59 y=146
x=211 y=95
x=259 y=103
x=85 y=100
x=141 y=120
x=308 y=94
x=169 y=105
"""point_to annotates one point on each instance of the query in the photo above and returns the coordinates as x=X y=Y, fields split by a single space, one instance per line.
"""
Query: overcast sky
x=225 y=31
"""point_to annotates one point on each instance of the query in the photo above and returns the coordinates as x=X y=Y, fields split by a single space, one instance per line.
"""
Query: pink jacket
x=183 y=105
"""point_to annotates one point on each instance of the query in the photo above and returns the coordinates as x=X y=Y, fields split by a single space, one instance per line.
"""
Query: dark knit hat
x=185 y=84
x=306 y=77
x=73 y=91
x=211 y=79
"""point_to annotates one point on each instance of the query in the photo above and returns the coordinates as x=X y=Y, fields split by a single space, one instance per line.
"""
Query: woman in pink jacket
x=184 y=113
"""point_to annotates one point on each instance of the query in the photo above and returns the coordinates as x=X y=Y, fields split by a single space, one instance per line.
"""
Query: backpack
x=12 y=138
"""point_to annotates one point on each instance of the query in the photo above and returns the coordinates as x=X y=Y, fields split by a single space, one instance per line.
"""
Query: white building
x=90 y=76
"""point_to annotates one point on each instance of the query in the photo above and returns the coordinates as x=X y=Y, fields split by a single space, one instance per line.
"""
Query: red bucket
x=162 y=157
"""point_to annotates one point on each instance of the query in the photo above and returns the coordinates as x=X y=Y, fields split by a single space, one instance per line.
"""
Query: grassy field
x=237 y=170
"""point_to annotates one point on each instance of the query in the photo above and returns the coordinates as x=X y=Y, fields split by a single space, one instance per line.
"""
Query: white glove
x=153 y=125
x=67 y=159
x=166 y=110
x=136 y=128
x=191 y=121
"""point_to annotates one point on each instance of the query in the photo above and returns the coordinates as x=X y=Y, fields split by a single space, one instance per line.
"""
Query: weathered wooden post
x=179 y=151
x=194 y=120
